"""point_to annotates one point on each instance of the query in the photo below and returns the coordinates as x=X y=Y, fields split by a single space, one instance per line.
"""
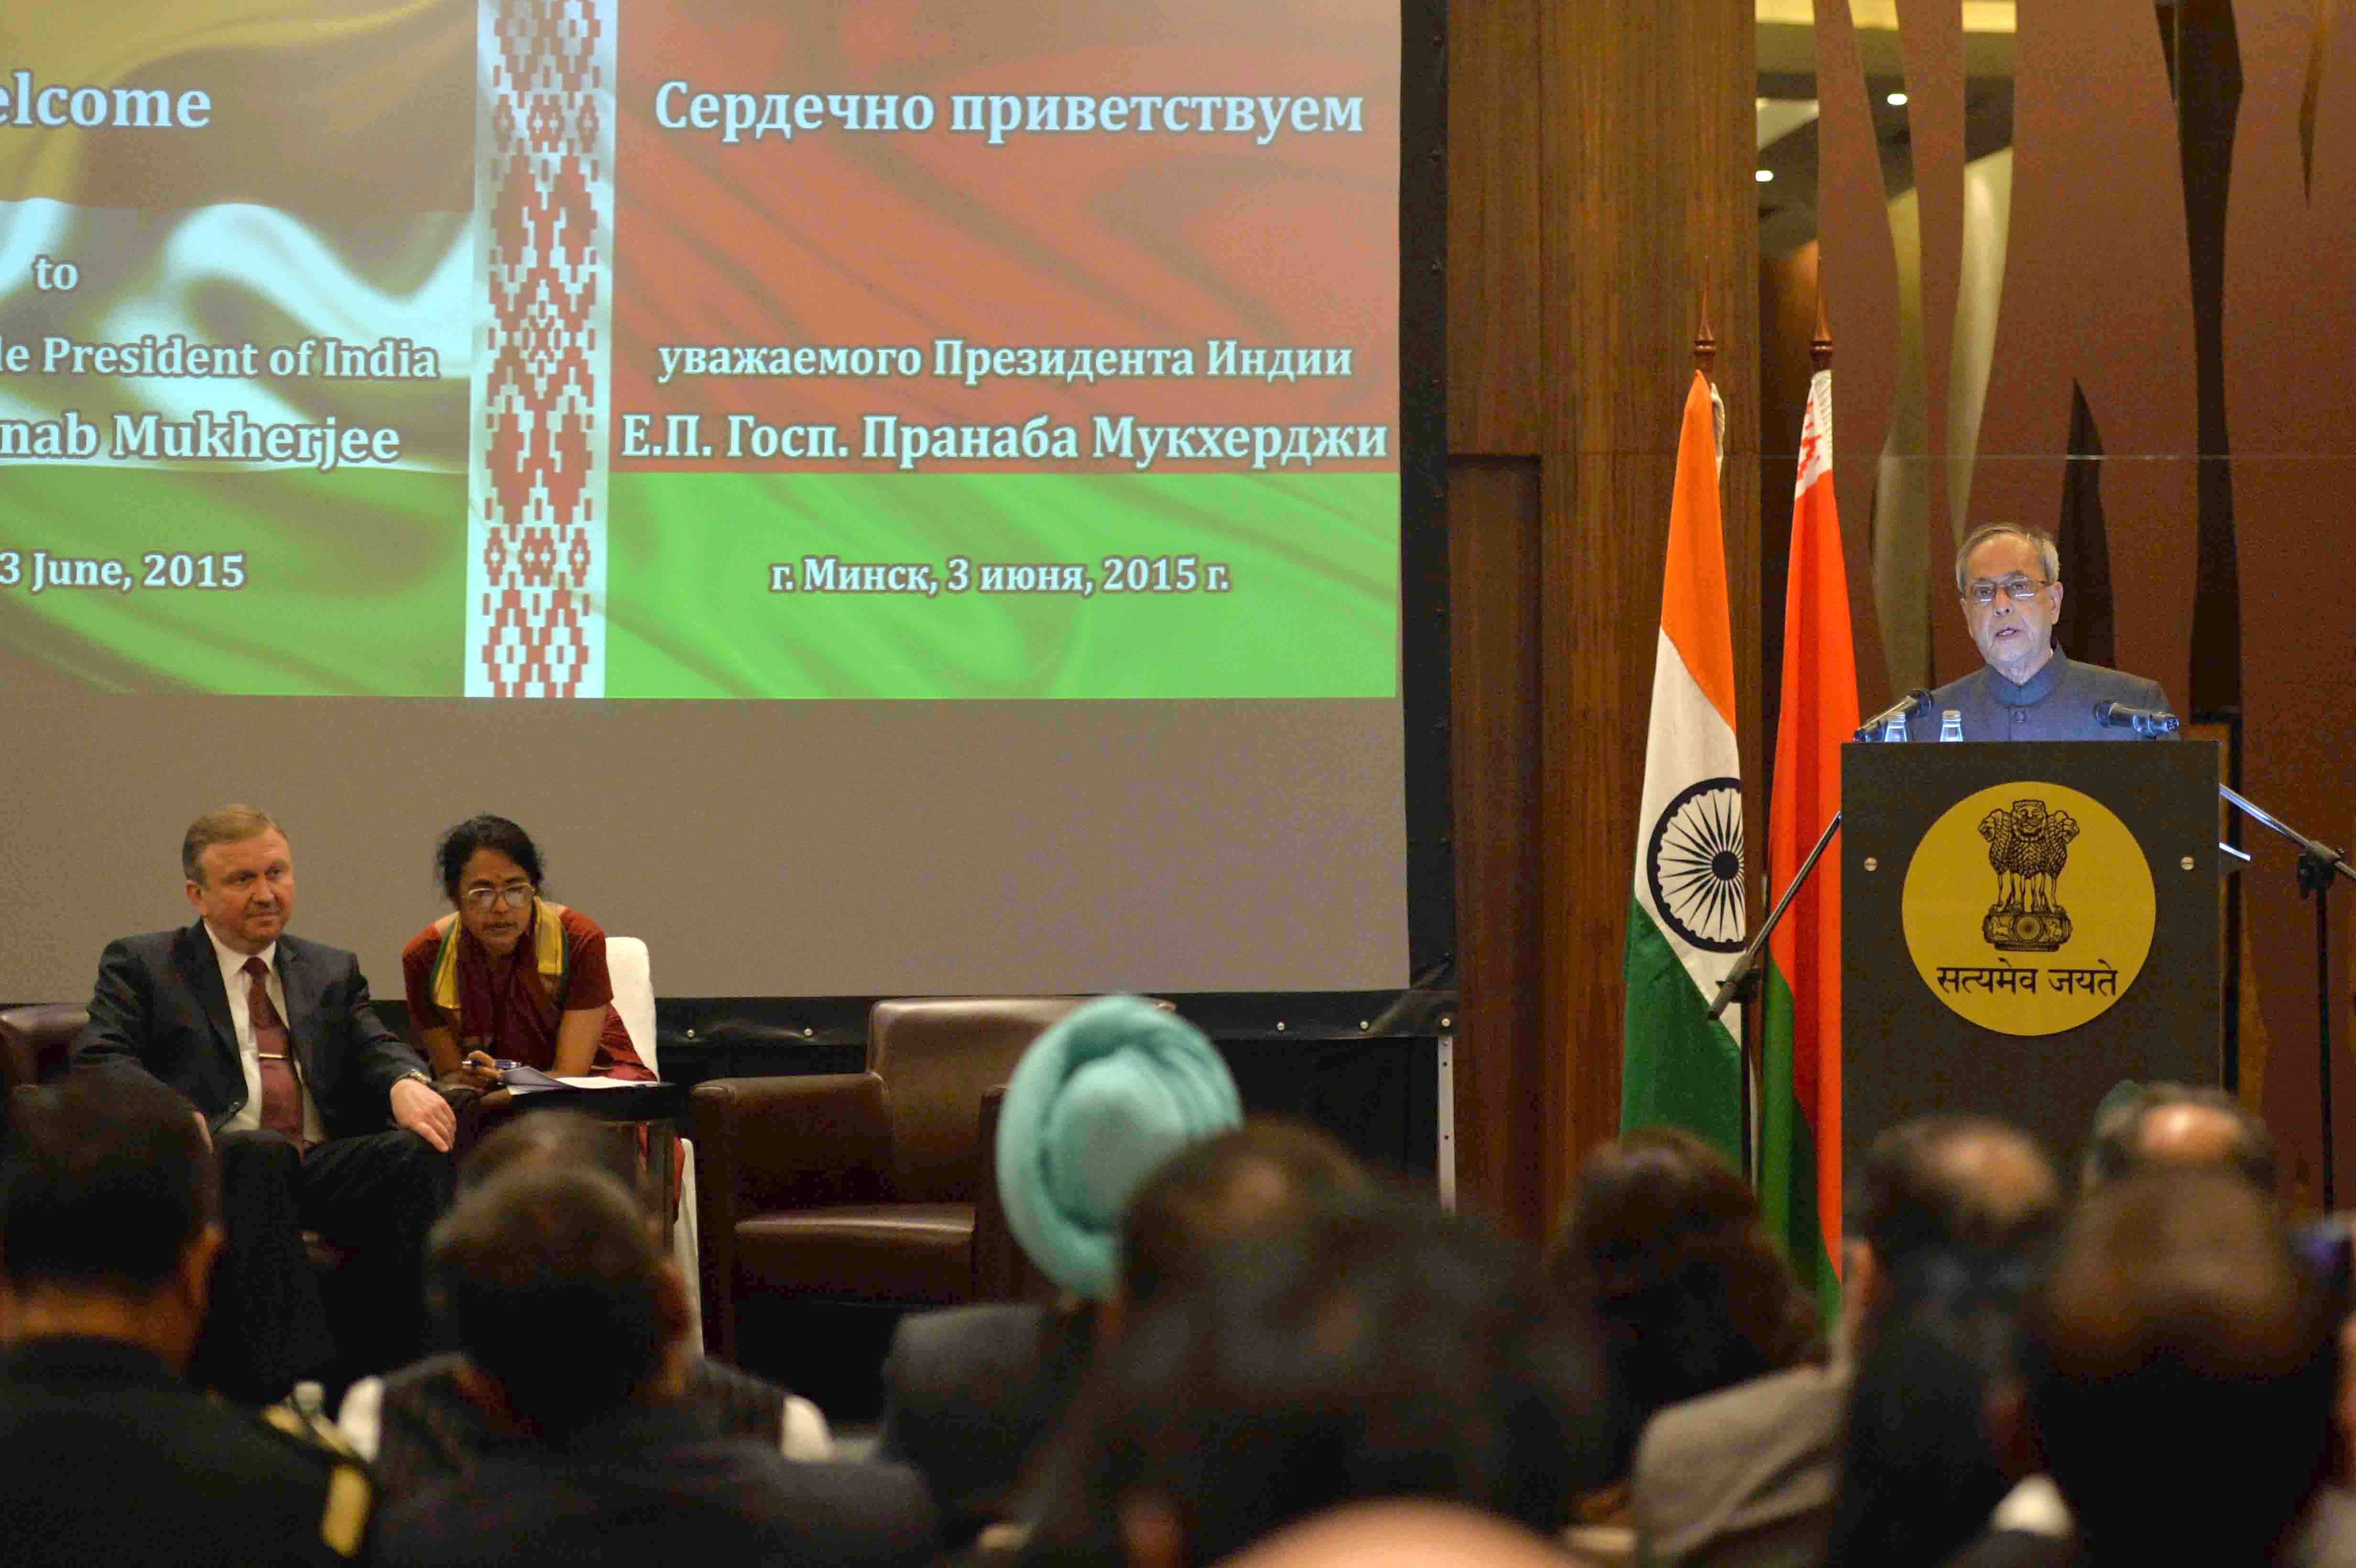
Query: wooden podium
x=2022 y=927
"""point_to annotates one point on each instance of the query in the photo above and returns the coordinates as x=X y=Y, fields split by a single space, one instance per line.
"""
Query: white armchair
x=627 y=963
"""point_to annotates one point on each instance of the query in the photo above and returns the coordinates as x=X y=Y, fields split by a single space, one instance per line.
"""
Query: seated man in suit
x=2009 y=583
x=107 y=1239
x=322 y=1119
x=574 y=1321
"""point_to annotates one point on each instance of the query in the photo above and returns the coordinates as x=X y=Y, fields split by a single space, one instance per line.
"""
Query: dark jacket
x=970 y=1392
x=429 y=1431
x=2057 y=703
x=159 y=1007
x=656 y=1484
x=107 y=1458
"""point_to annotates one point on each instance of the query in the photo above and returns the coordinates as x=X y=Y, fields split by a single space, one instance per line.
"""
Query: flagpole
x=1705 y=352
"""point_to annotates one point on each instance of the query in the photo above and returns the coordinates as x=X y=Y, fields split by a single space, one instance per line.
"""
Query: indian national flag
x=1685 y=909
x=1800 y=1078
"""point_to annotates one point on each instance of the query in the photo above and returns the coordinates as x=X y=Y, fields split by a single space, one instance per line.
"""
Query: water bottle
x=1951 y=725
x=1893 y=729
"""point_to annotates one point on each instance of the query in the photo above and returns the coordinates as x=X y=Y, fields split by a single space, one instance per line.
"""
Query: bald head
x=1401 y=1532
x=1952 y=1182
x=2002 y=1178
x=1939 y=1185
x=2178 y=1126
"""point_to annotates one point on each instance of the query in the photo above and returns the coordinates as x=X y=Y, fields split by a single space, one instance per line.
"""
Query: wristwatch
x=416 y=1074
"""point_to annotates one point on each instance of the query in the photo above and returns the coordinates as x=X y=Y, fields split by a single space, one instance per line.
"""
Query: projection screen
x=897 y=497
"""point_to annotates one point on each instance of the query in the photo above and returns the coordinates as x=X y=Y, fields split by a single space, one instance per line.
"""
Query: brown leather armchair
x=35 y=1040
x=862 y=1187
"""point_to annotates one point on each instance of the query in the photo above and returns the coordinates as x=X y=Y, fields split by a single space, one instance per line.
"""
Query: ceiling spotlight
x=1896 y=101
x=1763 y=176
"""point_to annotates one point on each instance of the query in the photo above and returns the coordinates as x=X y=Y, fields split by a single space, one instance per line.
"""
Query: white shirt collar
x=232 y=962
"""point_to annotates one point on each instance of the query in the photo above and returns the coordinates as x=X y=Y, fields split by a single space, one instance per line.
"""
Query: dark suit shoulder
x=316 y=955
x=957 y=1334
x=1759 y=1460
x=1950 y=695
x=152 y=952
x=2015 y=1549
x=187 y=1479
x=736 y=1500
x=131 y=971
x=970 y=1392
x=2104 y=684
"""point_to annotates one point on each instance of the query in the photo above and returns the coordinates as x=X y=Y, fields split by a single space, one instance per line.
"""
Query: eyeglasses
x=2018 y=587
x=514 y=895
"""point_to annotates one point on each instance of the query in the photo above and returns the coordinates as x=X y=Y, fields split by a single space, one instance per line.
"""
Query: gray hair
x=2049 y=554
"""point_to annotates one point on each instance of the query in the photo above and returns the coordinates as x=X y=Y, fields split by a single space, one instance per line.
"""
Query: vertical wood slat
x=1494 y=522
x=1496 y=322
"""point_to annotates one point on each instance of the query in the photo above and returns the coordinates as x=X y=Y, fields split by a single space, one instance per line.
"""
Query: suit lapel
x=294 y=977
x=200 y=969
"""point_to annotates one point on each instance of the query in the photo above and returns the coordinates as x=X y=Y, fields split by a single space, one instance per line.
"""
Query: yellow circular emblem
x=2029 y=908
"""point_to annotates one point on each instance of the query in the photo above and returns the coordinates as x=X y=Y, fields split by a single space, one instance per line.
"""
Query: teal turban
x=1095 y=1104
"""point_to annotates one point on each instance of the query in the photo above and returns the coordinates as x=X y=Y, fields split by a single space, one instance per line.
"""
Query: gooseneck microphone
x=2145 y=721
x=1913 y=702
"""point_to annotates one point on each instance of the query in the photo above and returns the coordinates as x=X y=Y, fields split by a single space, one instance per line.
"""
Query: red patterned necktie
x=281 y=1093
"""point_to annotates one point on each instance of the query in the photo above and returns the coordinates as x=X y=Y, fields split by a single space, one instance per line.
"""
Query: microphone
x=2144 y=721
x=1913 y=702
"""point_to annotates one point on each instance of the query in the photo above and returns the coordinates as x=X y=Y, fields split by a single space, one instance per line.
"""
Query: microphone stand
x=2319 y=863
x=1741 y=983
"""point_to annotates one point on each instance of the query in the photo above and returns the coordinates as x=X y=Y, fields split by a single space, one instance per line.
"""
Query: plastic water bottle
x=1893 y=729
x=1951 y=725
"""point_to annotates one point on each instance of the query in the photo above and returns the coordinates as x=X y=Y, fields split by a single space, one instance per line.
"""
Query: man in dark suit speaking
x=2009 y=582
x=323 y=1120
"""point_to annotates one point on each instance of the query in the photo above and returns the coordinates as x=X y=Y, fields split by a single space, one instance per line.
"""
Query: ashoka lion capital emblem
x=2027 y=847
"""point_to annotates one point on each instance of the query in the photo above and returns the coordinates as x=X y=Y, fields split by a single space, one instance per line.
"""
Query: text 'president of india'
x=2009 y=580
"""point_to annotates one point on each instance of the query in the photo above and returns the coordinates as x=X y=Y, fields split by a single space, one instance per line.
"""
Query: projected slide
x=658 y=348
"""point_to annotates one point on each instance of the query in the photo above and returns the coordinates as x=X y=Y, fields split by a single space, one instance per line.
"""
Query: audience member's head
x=560 y=1140
x=2180 y=1372
x=1940 y=1183
x=109 y=1215
x=1402 y=1535
x=1097 y=1103
x=2144 y=1125
x=1666 y=1256
x=1261 y=1175
x=559 y=1294
x=1921 y=1469
x=1375 y=1348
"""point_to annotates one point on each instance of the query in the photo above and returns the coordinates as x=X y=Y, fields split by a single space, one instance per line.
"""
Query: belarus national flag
x=1800 y=1126
x=1685 y=913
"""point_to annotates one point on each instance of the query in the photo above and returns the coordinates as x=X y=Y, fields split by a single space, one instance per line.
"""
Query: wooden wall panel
x=1495 y=699
x=1651 y=213
x=1600 y=185
x=2293 y=431
x=2098 y=296
x=1494 y=322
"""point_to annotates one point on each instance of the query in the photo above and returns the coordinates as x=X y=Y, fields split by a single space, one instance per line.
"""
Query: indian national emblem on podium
x=2027 y=846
